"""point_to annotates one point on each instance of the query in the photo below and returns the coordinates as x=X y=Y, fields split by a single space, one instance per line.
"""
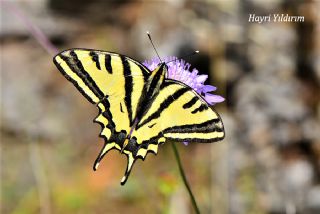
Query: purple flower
x=178 y=69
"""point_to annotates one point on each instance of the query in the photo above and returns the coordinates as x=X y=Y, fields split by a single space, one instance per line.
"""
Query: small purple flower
x=178 y=69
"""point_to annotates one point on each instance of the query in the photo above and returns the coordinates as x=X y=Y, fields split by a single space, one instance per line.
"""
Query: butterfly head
x=155 y=80
x=158 y=74
x=163 y=66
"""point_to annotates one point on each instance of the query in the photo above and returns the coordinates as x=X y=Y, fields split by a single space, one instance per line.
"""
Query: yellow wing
x=100 y=75
x=178 y=113
x=114 y=82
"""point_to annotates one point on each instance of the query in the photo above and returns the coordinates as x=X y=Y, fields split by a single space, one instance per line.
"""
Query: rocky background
x=269 y=74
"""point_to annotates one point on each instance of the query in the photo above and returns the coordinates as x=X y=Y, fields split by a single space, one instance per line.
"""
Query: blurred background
x=269 y=74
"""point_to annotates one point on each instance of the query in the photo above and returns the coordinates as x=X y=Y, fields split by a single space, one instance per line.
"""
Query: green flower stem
x=193 y=200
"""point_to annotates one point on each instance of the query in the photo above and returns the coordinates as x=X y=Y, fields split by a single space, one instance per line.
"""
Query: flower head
x=179 y=70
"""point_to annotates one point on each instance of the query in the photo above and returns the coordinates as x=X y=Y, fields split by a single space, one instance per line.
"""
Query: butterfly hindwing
x=193 y=120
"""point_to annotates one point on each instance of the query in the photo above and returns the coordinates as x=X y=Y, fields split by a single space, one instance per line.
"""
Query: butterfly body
x=139 y=109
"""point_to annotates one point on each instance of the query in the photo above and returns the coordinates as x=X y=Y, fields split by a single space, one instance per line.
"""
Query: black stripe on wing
x=201 y=108
x=76 y=66
x=95 y=58
x=198 y=140
x=128 y=86
x=73 y=81
x=107 y=63
x=190 y=103
x=170 y=99
x=205 y=127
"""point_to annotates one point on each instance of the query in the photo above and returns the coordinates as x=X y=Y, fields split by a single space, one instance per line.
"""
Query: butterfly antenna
x=183 y=57
x=149 y=36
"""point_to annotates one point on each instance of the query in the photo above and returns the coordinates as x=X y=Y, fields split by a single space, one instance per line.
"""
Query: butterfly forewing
x=98 y=74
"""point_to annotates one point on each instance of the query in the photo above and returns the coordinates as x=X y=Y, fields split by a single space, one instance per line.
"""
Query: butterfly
x=139 y=109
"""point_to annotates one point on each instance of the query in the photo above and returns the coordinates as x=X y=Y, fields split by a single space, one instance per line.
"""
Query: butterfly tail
x=107 y=147
x=130 y=163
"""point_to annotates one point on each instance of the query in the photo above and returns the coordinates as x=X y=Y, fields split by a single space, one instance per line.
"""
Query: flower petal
x=212 y=99
x=194 y=72
x=202 y=78
x=208 y=88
